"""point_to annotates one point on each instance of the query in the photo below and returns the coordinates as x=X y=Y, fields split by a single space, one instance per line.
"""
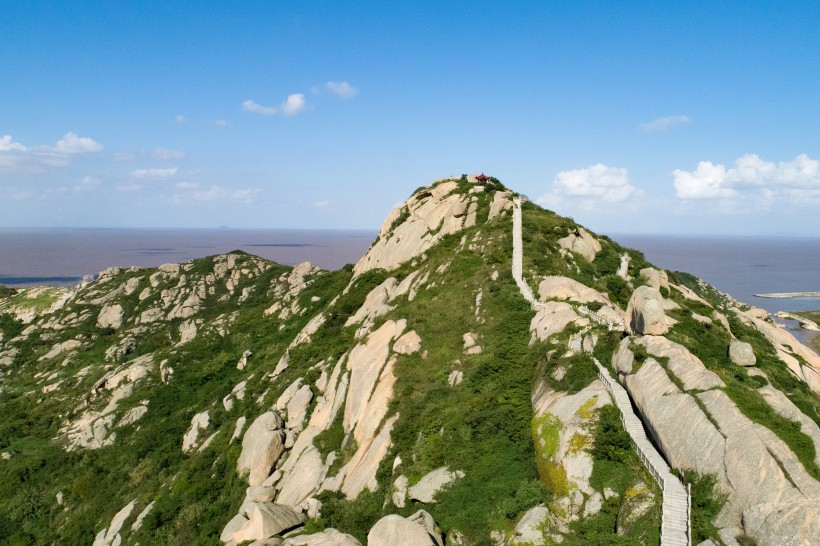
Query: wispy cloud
x=664 y=123
x=294 y=104
x=323 y=204
x=88 y=183
x=343 y=90
x=221 y=123
x=166 y=154
x=597 y=182
x=256 y=108
x=181 y=119
x=154 y=173
x=752 y=178
x=193 y=192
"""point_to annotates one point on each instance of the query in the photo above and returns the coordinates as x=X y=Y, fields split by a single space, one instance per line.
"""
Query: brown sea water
x=61 y=257
x=739 y=266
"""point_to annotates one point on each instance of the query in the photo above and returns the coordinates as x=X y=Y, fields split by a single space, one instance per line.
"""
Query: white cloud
x=705 y=182
x=343 y=90
x=7 y=144
x=181 y=119
x=72 y=144
x=154 y=173
x=15 y=157
x=187 y=185
x=664 y=123
x=256 y=108
x=751 y=178
x=219 y=123
x=595 y=183
x=294 y=104
x=324 y=203
x=165 y=154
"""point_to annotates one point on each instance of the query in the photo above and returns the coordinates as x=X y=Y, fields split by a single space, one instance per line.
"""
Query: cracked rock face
x=705 y=431
x=424 y=219
x=262 y=446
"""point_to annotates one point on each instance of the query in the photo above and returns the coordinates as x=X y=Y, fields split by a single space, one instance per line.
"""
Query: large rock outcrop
x=418 y=224
x=419 y=530
x=262 y=446
x=581 y=242
x=645 y=312
x=564 y=288
x=706 y=432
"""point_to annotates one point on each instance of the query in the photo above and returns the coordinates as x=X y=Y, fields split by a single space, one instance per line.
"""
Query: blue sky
x=687 y=117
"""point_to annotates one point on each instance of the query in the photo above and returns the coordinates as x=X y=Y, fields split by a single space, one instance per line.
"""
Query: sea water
x=61 y=257
x=739 y=266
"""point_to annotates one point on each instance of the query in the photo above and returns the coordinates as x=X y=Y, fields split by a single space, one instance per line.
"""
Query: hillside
x=482 y=375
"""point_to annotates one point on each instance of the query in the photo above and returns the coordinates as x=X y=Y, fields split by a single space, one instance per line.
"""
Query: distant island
x=784 y=295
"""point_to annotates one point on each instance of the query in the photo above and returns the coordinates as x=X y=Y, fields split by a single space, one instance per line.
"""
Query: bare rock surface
x=785 y=407
x=394 y=530
x=111 y=535
x=91 y=429
x=741 y=353
x=303 y=471
x=655 y=278
x=408 y=344
x=328 y=537
x=529 y=529
x=581 y=242
x=573 y=415
x=686 y=366
x=502 y=200
x=262 y=446
x=265 y=520
x=430 y=484
x=199 y=422
x=645 y=312
x=110 y=316
x=762 y=476
x=422 y=220
x=552 y=317
x=564 y=288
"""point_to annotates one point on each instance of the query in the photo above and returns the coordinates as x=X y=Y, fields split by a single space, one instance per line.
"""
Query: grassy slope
x=191 y=508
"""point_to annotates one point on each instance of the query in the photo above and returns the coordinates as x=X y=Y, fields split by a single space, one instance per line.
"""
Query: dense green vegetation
x=6 y=291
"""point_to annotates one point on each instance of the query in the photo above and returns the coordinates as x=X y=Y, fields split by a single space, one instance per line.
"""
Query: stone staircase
x=676 y=507
x=676 y=500
x=518 y=254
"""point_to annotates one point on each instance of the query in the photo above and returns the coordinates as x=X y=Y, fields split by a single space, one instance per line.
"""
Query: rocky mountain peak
x=488 y=373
